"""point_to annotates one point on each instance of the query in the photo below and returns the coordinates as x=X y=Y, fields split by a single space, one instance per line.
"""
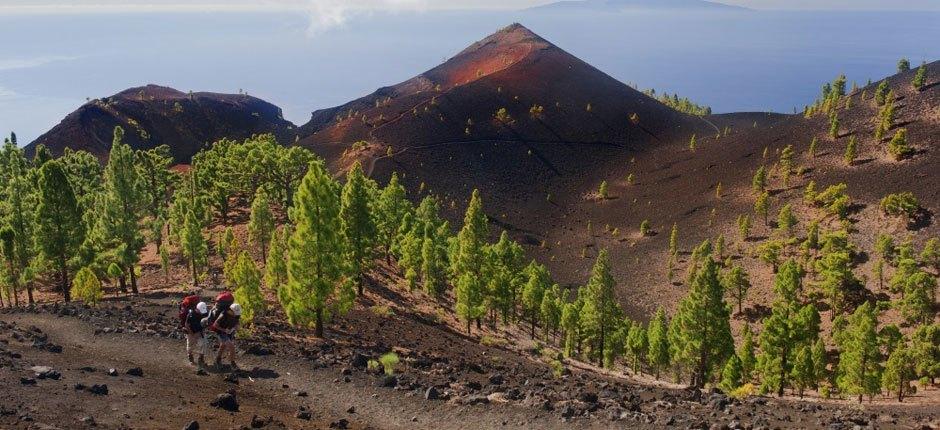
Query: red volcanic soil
x=513 y=69
x=155 y=115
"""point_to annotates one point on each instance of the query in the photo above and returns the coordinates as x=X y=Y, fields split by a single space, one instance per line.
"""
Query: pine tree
x=732 y=374
x=469 y=262
x=744 y=226
x=702 y=324
x=804 y=372
x=898 y=372
x=153 y=168
x=87 y=287
x=786 y=164
x=737 y=283
x=602 y=191
x=357 y=222
x=275 y=266
x=261 y=224
x=785 y=221
x=316 y=252
x=19 y=246
x=571 y=325
x=898 y=146
x=434 y=258
x=904 y=65
x=246 y=281
x=834 y=125
x=786 y=330
x=638 y=345
x=930 y=256
x=917 y=302
x=762 y=206
x=194 y=245
x=658 y=337
x=925 y=351
x=820 y=362
x=759 y=182
x=601 y=311
x=537 y=282
x=812 y=147
x=121 y=207
x=692 y=143
x=550 y=310
x=860 y=358
x=674 y=240
x=60 y=230
x=746 y=354
x=920 y=79
x=505 y=261
x=851 y=151
x=881 y=93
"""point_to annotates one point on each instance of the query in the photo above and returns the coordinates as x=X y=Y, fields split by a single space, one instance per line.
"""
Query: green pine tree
x=60 y=229
x=737 y=283
x=357 y=222
x=246 y=281
x=860 y=359
x=658 y=355
x=87 y=287
x=601 y=312
x=538 y=280
x=898 y=372
x=920 y=79
x=851 y=151
x=316 y=252
x=702 y=325
x=470 y=261
x=732 y=375
x=261 y=224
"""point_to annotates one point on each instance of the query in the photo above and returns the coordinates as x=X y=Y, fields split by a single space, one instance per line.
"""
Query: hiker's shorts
x=196 y=343
x=226 y=338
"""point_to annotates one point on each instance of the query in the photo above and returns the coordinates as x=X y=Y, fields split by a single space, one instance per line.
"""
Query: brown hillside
x=153 y=115
x=513 y=69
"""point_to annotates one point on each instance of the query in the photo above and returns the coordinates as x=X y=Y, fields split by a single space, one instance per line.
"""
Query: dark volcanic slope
x=155 y=115
x=512 y=69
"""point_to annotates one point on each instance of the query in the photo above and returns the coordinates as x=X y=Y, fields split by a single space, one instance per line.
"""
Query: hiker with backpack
x=191 y=314
x=225 y=326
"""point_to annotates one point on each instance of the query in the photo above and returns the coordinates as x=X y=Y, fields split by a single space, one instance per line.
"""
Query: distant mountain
x=153 y=115
x=618 y=5
x=544 y=94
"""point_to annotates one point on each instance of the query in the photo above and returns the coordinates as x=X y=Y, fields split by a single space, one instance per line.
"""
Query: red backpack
x=188 y=303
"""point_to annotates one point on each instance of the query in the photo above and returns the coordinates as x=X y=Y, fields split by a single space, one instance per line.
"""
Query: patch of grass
x=382 y=310
x=488 y=340
x=743 y=391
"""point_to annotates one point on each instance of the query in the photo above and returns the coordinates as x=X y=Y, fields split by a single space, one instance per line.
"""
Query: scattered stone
x=201 y=372
x=112 y=372
x=303 y=415
x=226 y=401
x=342 y=423
x=193 y=425
x=88 y=420
x=587 y=397
x=45 y=372
x=27 y=381
x=135 y=371
x=257 y=422
x=387 y=381
x=346 y=371
x=258 y=350
x=300 y=393
x=432 y=394
x=496 y=379
x=476 y=399
x=359 y=361
x=99 y=389
x=351 y=410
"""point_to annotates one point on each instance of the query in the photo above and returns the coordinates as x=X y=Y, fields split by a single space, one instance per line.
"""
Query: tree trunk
x=318 y=331
x=901 y=391
x=468 y=327
x=479 y=325
x=783 y=373
x=195 y=277
x=133 y=280
x=29 y=293
x=64 y=273
x=532 y=330
x=123 y=283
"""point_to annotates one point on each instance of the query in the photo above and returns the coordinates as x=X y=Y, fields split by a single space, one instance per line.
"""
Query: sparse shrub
x=502 y=115
x=389 y=360
x=87 y=287
x=920 y=79
x=603 y=191
x=898 y=147
x=904 y=65
x=851 y=151
x=900 y=204
x=645 y=228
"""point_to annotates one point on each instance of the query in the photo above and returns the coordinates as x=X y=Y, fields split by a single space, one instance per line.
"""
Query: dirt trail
x=170 y=394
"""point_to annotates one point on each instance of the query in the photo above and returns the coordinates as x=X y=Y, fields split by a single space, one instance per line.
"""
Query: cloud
x=328 y=14
x=28 y=63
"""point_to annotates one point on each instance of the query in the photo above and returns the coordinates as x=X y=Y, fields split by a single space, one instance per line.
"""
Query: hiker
x=225 y=326
x=195 y=335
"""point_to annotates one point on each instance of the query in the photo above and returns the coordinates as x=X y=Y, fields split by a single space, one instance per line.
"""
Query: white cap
x=237 y=309
x=202 y=308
